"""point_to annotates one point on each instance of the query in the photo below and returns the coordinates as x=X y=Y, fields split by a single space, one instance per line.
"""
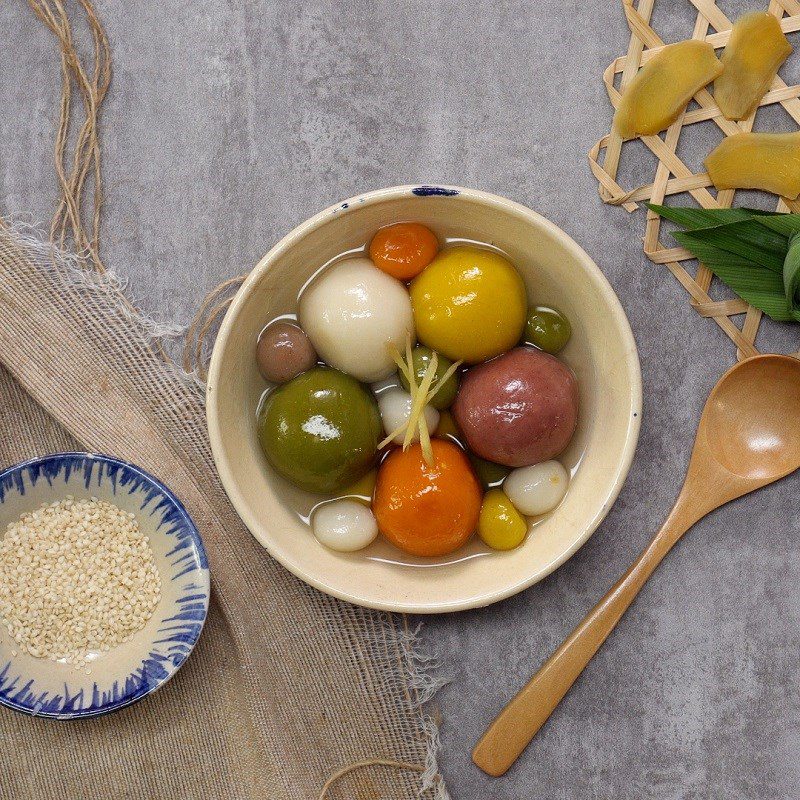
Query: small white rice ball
x=344 y=525
x=351 y=312
x=395 y=408
x=538 y=489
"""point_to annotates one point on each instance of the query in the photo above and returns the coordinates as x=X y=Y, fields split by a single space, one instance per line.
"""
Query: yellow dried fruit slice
x=768 y=161
x=752 y=58
x=663 y=86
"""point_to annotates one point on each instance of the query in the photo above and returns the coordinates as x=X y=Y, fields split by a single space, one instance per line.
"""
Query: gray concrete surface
x=229 y=122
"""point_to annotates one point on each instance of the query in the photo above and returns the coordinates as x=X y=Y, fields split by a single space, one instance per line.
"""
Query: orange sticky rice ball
x=403 y=250
x=427 y=510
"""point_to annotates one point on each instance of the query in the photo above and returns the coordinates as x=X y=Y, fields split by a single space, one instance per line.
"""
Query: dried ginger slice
x=752 y=58
x=420 y=395
x=663 y=86
x=767 y=161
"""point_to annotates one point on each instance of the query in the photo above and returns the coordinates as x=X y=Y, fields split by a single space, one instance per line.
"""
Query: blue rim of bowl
x=193 y=533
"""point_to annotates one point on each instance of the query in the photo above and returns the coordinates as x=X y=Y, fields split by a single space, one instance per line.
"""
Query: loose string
x=370 y=762
x=205 y=322
x=69 y=225
x=76 y=221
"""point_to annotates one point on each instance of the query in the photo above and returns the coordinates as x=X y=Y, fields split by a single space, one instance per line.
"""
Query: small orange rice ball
x=403 y=250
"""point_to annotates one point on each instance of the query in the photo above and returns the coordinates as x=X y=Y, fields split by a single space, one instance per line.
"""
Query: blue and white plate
x=140 y=666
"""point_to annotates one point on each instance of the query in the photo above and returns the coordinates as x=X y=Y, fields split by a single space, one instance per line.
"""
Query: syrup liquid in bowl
x=304 y=504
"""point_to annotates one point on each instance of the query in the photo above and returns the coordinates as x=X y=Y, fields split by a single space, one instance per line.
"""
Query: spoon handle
x=520 y=720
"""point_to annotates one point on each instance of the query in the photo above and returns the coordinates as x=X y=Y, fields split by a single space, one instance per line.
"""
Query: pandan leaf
x=755 y=253
x=785 y=224
x=694 y=218
x=791 y=272
x=761 y=287
x=710 y=254
x=746 y=239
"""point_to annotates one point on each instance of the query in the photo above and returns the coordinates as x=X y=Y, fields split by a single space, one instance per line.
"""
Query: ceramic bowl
x=138 y=667
x=602 y=353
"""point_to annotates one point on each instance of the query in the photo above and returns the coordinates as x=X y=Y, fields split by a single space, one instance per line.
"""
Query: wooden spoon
x=749 y=436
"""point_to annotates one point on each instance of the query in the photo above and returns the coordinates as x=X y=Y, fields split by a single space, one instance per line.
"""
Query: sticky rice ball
x=537 y=489
x=283 y=352
x=519 y=409
x=320 y=430
x=344 y=525
x=351 y=313
x=395 y=408
x=469 y=304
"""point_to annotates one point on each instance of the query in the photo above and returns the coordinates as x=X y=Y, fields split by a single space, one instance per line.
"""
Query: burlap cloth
x=287 y=685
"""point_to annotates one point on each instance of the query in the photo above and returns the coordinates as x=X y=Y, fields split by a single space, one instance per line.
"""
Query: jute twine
x=75 y=223
x=204 y=326
x=371 y=650
x=672 y=176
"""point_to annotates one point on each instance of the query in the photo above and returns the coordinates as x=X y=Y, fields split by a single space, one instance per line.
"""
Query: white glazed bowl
x=602 y=353
x=141 y=665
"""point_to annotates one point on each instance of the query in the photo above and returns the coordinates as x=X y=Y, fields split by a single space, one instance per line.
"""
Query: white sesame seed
x=76 y=576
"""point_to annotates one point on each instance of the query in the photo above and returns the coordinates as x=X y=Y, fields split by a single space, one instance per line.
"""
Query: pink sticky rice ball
x=518 y=409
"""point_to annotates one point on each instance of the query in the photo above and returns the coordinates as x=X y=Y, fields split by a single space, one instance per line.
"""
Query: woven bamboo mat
x=737 y=319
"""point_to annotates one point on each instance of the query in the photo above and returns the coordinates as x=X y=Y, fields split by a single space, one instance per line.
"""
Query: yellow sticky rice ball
x=469 y=304
x=500 y=525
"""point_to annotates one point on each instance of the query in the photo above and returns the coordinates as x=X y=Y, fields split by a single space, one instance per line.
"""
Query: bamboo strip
x=635 y=50
x=730 y=308
x=790 y=6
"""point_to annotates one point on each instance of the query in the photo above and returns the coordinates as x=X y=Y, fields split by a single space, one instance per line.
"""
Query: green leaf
x=694 y=218
x=761 y=287
x=745 y=239
x=791 y=272
x=755 y=253
x=711 y=255
x=758 y=287
x=786 y=224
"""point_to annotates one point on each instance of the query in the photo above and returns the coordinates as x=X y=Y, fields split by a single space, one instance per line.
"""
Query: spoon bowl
x=751 y=422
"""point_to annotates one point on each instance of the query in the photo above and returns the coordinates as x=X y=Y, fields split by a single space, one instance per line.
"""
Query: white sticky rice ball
x=395 y=408
x=351 y=312
x=538 y=489
x=344 y=525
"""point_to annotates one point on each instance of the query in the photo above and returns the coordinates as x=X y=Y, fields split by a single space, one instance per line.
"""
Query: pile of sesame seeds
x=76 y=577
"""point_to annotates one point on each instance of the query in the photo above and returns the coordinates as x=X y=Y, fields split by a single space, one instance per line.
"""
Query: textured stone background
x=230 y=122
